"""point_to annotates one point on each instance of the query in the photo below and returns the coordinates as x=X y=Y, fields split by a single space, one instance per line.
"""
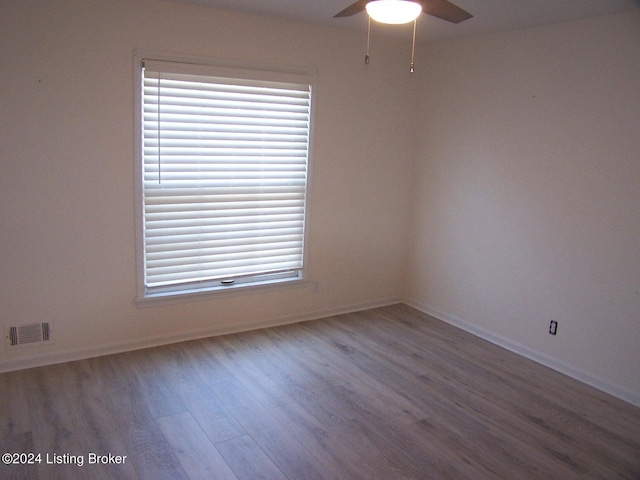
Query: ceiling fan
x=404 y=11
x=437 y=8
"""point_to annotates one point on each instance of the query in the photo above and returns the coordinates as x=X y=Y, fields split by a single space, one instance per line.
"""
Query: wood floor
x=388 y=393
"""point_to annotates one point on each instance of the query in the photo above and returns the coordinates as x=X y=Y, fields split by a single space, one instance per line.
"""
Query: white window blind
x=224 y=178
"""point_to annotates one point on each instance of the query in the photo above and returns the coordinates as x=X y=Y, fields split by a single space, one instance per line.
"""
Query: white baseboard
x=617 y=391
x=60 y=356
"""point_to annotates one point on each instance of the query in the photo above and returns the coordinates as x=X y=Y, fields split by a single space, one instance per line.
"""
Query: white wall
x=66 y=189
x=527 y=194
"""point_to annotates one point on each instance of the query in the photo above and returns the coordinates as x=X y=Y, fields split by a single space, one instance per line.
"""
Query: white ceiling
x=489 y=15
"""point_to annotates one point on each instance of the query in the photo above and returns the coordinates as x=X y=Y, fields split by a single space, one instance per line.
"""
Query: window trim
x=276 y=73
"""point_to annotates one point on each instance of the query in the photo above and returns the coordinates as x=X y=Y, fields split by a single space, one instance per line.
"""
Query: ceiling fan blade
x=438 y=8
x=352 y=9
x=444 y=10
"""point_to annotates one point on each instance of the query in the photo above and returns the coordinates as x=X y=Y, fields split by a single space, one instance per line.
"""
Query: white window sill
x=202 y=294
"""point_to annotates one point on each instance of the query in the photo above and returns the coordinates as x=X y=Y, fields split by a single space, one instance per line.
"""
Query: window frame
x=225 y=68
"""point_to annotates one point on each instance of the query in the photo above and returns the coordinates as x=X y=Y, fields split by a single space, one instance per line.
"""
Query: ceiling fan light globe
x=394 y=11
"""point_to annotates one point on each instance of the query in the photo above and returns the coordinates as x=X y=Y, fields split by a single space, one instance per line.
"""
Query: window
x=223 y=173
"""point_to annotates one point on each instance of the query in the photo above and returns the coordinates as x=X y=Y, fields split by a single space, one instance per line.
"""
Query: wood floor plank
x=545 y=421
x=299 y=346
x=149 y=451
x=207 y=365
x=519 y=382
x=248 y=461
x=272 y=437
x=247 y=373
x=371 y=437
x=346 y=414
x=95 y=429
x=432 y=404
x=344 y=455
x=52 y=422
x=326 y=363
x=386 y=393
x=15 y=417
x=198 y=396
x=153 y=385
x=540 y=418
x=15 y=424
x=196 y=453
x=285 y=372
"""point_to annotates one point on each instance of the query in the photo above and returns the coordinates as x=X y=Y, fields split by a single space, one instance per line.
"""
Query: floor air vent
x=30 y=334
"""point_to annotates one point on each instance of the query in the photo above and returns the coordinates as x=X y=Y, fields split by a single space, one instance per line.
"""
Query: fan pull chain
x=366 y=56
x=413 y=47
